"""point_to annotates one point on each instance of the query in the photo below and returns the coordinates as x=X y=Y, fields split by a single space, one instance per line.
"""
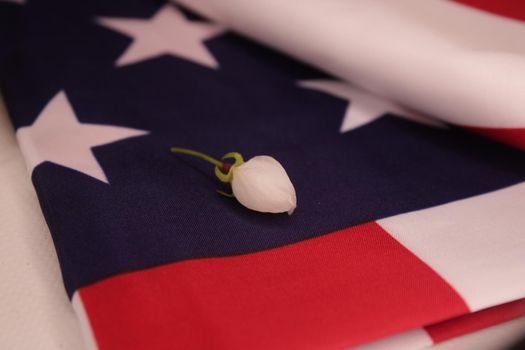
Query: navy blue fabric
x=161 y=208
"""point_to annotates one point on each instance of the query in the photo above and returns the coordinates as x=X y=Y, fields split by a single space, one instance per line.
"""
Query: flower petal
x=263 y=185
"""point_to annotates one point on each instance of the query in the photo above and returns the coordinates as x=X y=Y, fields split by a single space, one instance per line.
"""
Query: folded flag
x=406 y=230
x=461 y=61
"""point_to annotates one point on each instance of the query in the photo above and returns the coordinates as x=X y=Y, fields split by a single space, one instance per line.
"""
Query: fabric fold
x=35 y=309
x=450 y=61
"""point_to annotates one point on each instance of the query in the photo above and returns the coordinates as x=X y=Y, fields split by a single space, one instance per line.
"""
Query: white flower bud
x=262 y=184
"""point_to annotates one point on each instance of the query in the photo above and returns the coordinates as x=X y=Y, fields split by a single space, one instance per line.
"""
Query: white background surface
x=35 y=312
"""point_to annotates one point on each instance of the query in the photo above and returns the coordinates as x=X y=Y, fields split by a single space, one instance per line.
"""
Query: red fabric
x=508 y=8
x=476 y=321
x=329 y=292
x=514 y=137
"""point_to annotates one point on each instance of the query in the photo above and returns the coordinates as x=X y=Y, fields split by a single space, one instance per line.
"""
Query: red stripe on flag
x=508 y=8
x=510 y=136
x=330 y=292
x=476 y=321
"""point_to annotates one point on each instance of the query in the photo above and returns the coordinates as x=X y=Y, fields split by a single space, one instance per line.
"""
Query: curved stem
x=229 y=195
x=197 y=154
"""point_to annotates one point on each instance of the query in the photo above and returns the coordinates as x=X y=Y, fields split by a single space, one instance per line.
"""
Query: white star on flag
x=168 y=32
x=58 y=137
x=363 y=107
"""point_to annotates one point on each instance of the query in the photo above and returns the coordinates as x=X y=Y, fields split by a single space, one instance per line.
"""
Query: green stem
x=197 y=154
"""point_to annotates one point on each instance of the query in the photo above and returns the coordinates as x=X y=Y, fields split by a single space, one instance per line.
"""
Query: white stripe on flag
x=411 y=340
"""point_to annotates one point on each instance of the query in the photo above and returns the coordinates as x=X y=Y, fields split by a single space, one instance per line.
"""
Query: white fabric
x=85 y=326
x=411 y=340
x=476 y=244
x=35 y=312
x=459 y=64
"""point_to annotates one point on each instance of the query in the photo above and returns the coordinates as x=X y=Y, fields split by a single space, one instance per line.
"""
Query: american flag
x=409 y=228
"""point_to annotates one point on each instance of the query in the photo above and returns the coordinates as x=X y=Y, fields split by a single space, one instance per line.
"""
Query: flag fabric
x=408 y=230
x=459 y=61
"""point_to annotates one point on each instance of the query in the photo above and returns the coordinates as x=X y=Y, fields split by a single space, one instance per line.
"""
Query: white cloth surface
x=35 y=313
x=459 y=64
